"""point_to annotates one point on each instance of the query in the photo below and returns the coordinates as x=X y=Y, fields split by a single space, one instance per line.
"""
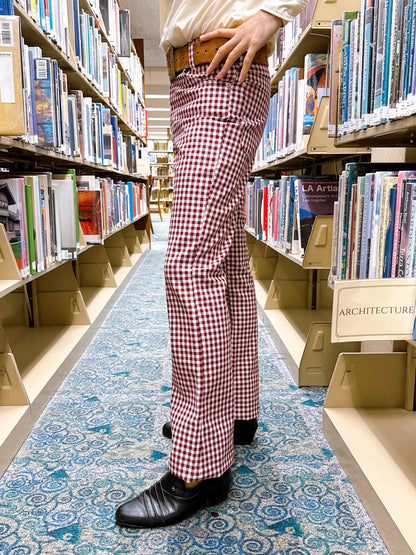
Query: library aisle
x=99 y=441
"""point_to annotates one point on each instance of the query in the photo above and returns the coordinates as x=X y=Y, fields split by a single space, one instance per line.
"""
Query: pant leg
x=216 y=128
x=242 y=305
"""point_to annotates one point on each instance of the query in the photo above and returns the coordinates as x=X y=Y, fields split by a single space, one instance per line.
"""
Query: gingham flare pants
x=216 y=128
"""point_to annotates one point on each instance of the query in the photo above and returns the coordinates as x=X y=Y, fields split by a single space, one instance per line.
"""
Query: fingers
x=218 y=33
x=230 y=54
x=248 y=60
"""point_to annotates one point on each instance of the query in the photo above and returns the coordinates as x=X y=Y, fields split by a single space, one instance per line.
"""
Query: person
x=220 y=98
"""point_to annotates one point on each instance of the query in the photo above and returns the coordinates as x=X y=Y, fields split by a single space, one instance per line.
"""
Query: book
x=334 y=73
x=90 y=214
x=388 y=246
x=316 y=87
x=45 y=100
x=125 y=37
x=12 y=113
x=315 y=197
x=14 y=220
x=6 y=7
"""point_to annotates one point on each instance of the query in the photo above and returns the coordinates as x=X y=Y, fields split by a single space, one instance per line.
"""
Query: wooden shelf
x=318 y=145
x=295 y=304
x=67 y=305
x=370 y=423
x=316 y=36
x=16 y=151
x=313 y=40
x=35 y=36
x=317 y=253
x=397 y=133
x=86 y=6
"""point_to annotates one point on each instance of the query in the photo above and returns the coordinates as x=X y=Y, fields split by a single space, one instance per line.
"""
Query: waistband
x=203 y=53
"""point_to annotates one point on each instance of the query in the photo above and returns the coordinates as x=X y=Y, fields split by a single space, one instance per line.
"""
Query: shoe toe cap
x=131 y=513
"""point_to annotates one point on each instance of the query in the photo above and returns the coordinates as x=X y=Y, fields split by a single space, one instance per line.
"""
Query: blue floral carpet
x=99 y=442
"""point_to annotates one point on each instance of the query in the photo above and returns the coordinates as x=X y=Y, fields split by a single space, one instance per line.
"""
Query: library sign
x=366 y=310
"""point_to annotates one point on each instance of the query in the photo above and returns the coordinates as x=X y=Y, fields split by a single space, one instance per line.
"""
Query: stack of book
x=69 y=122
x=41 y=213
x=375 y=222
x=293 y=109
x=282 y=212
x=76 y=32
x=377 y=64
x=290 y=34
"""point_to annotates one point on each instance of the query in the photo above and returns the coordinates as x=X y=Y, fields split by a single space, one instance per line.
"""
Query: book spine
x=388 y=248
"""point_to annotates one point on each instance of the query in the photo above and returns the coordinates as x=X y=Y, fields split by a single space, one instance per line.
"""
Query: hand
x=249 y=37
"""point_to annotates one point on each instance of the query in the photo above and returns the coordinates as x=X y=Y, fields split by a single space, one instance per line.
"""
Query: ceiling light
x=157 y=96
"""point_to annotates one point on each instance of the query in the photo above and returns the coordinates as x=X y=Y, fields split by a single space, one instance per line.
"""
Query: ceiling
x=144 y=17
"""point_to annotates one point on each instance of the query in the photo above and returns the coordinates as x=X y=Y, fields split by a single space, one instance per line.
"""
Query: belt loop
x=191 y=54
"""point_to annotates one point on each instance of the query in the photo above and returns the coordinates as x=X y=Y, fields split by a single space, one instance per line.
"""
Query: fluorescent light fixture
x=157 y=127
x=158 y=109
x=157 y=96
x=158 y=119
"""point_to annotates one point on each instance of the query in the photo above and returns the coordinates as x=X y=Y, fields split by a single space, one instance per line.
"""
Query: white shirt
x=182 y=21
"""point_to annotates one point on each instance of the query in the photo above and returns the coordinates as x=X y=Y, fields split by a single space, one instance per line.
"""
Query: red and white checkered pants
x=216 y=127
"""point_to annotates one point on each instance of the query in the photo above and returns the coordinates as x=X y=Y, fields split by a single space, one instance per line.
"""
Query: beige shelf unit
x=316 y=37
x=318 y=146
x=35 y=36
x=398 y=133
x=46 y=319
x=165 y=180
x=296 y=303
x=369 y=414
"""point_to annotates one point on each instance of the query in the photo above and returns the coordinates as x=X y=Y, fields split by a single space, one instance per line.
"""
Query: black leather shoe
x=169 y=501
x=244 y=431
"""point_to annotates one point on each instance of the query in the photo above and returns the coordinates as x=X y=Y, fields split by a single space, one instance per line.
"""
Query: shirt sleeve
x=285 y=9
x=163 y=12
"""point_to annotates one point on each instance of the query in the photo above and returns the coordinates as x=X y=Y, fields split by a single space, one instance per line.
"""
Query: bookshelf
x=35 y=36
x=65 y=303
x=161 y=169
x=369 y=412
x=316 y=35
x=48 y=318
x=292 y=290
x=296 y=303
x=318 y=148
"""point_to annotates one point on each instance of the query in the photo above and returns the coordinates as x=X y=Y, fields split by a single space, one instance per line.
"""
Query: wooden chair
x=155 y=206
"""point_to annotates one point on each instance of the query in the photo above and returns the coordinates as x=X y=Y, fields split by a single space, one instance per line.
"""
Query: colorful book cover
x=14 y=220
x=388 y=245
x=90 y=215
x=387 y=183
x=347 y=17
x=366 y=228
x=367 y=61
x=44 y=96
x=316 y=84
x=410 y=253
x=30 y=228
x=6 y=7
x=316 y=198
x=406 y=207
x=402 y=175
x=334 y=74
